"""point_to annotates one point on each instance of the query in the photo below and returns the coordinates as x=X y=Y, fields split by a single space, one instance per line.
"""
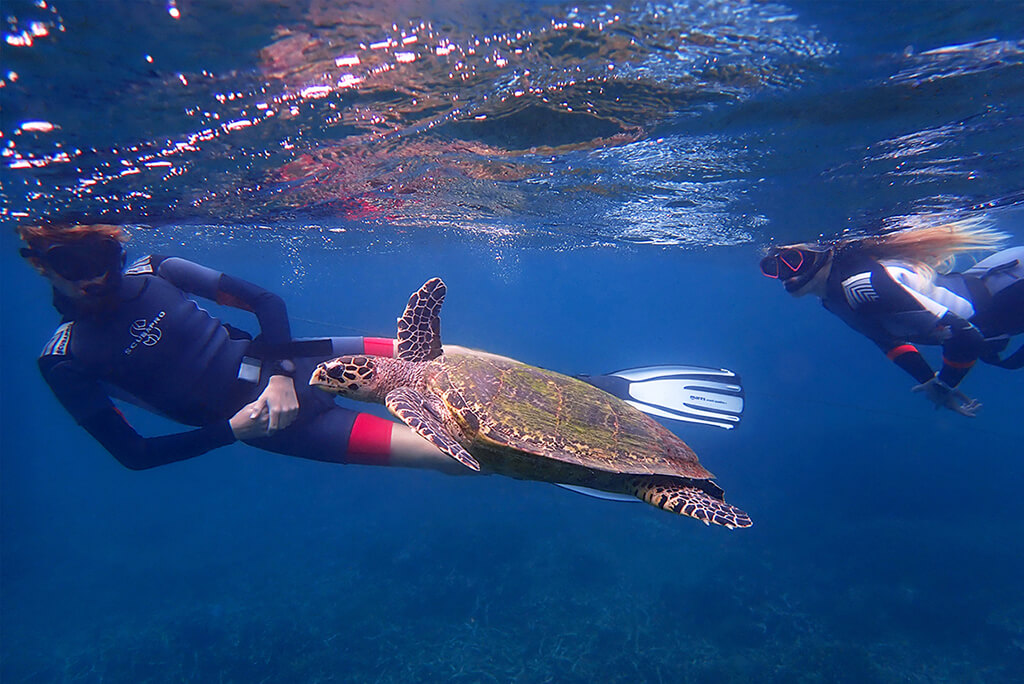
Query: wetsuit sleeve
x=91 y=408
x=961 y=351
x=963 y=342
x=907 y=357
x=269 y=308
x=869 y=298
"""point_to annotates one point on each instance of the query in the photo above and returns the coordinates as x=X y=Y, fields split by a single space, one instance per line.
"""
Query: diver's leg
x=409 y=450
x=340 y=435
x=1008 y=309
x=1001 y=270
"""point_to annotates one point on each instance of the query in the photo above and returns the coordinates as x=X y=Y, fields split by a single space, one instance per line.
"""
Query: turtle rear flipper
x=688 y=500
x=411 y=407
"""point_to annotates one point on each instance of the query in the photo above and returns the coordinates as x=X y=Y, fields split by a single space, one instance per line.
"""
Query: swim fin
x=709 y=396
x=597 y=493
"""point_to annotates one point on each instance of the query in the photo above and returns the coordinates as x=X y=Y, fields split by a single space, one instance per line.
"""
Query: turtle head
x=355 y=377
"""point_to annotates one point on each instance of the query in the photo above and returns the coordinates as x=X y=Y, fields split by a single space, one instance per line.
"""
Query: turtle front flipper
x=677 y=497
x=419 y=328
x=412 y=408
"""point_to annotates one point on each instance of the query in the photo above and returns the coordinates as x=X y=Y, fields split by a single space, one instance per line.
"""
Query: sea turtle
x=525 y=422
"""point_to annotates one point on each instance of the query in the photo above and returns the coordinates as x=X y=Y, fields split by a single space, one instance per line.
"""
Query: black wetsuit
x=971 y=315
x=153 y=346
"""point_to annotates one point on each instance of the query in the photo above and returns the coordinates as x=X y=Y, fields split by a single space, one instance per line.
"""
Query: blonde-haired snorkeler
x=890 y=288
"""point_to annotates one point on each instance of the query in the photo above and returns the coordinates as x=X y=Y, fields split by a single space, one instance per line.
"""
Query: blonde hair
x=934 y=245
x=928 y=248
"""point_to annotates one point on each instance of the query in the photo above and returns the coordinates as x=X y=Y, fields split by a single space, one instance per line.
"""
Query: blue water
x=610 y=215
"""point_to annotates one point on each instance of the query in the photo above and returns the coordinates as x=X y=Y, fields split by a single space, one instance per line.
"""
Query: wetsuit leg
x=323 y=430
x=1003 y=276
x=1004 y=317
x=323 y=437
x=1007 y=313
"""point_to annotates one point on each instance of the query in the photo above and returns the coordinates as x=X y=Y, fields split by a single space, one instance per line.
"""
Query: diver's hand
x=944 y=396
x=275 y=409
x=280 y=402
x=250 y=422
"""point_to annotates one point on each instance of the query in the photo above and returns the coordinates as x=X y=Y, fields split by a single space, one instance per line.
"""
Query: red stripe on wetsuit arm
x=900 y=351
x=907 y=357
x=369 y=443
x=379 y=346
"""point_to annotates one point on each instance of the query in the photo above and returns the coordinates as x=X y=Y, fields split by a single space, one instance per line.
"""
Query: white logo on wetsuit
x=145 y=333
x=59 y=343
x=140 y=266
x=859 y=290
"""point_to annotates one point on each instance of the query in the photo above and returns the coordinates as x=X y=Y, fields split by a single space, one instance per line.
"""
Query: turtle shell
x=502 y=404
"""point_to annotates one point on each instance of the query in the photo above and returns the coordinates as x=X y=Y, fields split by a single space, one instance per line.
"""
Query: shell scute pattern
x=467 y=417
x=529 y=423
x=515 y=406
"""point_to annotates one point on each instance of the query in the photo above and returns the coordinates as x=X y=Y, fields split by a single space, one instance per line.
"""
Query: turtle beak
x=349 y=376
x=321 y=378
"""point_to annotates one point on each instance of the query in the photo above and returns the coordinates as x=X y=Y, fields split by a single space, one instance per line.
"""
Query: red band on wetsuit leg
x=378 y=346
x=900 y=351
x=369 y=443
x=957 y=364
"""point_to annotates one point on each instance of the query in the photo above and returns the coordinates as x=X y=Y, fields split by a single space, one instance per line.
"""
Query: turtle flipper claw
x=676 y=497
x=411 y=407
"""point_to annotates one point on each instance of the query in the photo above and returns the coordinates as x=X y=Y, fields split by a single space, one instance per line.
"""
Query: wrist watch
x=284 y=367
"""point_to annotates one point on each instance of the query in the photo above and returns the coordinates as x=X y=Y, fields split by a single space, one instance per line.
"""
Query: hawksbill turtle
x=525 y=422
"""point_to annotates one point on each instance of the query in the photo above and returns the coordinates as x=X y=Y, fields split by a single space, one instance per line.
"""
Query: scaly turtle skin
x=526 y=422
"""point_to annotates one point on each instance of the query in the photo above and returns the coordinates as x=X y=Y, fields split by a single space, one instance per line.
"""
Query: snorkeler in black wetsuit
x=886 y=288
x=135 y=334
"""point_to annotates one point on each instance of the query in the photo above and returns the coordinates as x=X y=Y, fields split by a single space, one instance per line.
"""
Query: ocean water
x=596 y=184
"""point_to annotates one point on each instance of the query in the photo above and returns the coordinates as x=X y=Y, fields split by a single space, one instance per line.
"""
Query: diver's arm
x=278 y=399
x=933 y=385
x=270 y=309
x=902 y=353
x=91 y=408
x=907 y=357
x=879 y=298
x=961 y=351
x=135 y=452
x=937 y=306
